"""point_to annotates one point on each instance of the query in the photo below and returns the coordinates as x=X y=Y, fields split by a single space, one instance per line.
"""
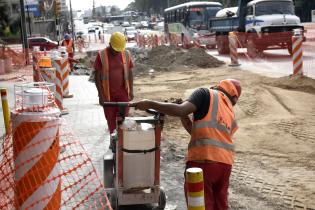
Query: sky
x=88 y=4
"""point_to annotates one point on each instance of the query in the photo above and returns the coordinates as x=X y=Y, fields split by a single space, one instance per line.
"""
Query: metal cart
x=132 y=166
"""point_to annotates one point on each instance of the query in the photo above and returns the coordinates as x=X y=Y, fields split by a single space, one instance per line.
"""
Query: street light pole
x=23 y=31
x=72 y=25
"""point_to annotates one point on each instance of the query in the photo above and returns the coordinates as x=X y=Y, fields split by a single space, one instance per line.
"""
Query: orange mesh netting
x=44 y=166
x=13 y=65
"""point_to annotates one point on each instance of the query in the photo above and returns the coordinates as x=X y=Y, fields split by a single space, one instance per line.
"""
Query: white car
x=125 y=24
x=130 y=33
x=144 y=24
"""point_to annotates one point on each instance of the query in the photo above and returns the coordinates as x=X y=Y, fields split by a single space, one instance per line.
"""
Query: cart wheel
x=162 y=200
x=114 y=200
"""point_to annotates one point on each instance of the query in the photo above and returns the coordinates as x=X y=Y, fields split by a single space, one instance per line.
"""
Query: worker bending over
x=211 y=147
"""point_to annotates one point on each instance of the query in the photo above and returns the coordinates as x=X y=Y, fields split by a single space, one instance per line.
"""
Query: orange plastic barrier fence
x=13 y=65
x=44 y=166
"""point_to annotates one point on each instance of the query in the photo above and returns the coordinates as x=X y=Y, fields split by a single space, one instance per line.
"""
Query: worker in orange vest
x=68 y=43
x=211 y=147
x=114 y=77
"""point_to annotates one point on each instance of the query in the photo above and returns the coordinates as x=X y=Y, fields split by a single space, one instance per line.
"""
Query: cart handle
x=117 y=104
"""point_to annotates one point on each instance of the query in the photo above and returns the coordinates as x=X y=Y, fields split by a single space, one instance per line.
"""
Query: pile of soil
x=299 y=83
x=165 y=58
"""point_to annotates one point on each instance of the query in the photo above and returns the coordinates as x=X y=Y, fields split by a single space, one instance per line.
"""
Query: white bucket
x=35 y=97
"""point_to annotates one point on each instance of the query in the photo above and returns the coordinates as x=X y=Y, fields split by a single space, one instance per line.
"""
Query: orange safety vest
x=69 y=46
x=211 y=137
x=125 y=55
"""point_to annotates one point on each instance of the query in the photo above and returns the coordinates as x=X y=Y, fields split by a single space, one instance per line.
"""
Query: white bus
x=189 y=21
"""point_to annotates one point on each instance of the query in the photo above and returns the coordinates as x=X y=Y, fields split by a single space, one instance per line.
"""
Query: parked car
x=130 y=33
x=91 y=30
x=42 y=42
x=125 y=24
x=144 y=24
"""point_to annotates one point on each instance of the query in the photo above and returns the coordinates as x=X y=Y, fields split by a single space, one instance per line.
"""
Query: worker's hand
x=131 y=96
x=142 y=105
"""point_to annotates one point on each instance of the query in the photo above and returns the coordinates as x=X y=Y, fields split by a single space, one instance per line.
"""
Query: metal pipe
x=5 y=110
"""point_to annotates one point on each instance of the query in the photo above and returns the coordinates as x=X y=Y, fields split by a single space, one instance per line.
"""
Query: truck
x=261 y=25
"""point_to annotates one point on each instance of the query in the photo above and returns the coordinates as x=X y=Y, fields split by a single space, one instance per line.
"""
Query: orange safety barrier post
x=8 y=65
x=195 y=189
x=233 y=49
x=5 y=110
x=48 y=74
x=36 y=120
x=59 y=64
x=297 y=56
x=36 y=73
x=43 y=165
x=2 y=67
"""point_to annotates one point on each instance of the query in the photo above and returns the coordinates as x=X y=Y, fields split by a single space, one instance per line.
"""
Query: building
x=13 y=7
x=64 y=7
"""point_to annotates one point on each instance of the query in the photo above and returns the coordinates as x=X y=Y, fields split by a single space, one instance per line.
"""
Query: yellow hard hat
x=118 y=41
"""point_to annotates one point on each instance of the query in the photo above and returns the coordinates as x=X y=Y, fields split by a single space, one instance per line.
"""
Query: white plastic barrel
x=139 y=168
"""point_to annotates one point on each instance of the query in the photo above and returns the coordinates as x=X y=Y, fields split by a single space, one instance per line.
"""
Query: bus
x=189 y=22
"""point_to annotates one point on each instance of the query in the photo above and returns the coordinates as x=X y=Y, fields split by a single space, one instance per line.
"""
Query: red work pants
x=112 y=112
x=216 y=182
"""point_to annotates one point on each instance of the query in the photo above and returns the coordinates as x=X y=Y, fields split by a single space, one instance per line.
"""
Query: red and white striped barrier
x=63 y=68
x=297 y=55
x=48 y=74
x=233 y=49
x=36 y=152
x=60 y=64
x=2 y=67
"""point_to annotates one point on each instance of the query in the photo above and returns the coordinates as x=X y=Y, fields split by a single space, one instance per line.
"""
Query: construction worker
x=211 y=146
x=68 y=43
x=113 y=77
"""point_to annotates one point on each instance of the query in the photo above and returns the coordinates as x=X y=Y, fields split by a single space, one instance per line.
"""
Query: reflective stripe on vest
x=211 y=140
x=105 y=71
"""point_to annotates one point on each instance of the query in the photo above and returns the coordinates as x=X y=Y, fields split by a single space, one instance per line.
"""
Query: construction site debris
x=166 y=58
x=299 y=83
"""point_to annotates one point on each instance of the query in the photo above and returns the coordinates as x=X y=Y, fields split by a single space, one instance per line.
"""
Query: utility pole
x=72 y=25
x=29 y=19
x=93 y=11
x=23 y=31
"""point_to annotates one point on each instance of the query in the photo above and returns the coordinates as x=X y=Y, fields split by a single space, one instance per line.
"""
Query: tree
x=114 y=10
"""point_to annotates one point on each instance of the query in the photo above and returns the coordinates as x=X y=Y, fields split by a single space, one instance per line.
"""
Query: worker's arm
x=187 y=123
x=179 y=110
x=131 y=96
x=98 y=81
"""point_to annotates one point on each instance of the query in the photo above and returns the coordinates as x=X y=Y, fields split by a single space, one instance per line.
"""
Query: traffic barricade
x=297 y=52
x=195 y=189
x=35 y=128
x=60 y=64
x=2 y=67
x=233 y=49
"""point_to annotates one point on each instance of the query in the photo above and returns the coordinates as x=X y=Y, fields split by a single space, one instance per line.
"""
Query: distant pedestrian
x=114 y=77
x=68 y=43
x=99 y=35
x=211 y=147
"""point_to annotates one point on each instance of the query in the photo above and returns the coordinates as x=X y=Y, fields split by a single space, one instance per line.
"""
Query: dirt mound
x=299 y=83
x=170 y=57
